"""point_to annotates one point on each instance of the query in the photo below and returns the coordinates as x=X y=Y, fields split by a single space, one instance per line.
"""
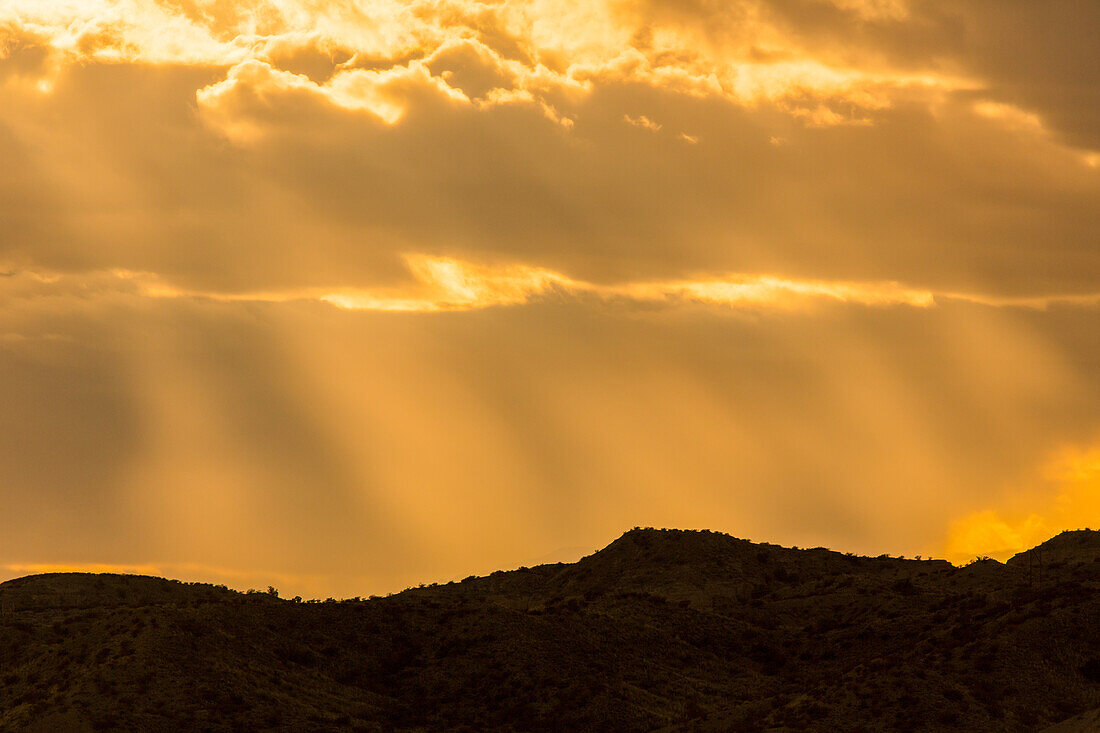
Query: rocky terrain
x=660 y=630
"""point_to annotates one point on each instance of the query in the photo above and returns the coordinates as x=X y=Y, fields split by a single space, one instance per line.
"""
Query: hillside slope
x=662 y=629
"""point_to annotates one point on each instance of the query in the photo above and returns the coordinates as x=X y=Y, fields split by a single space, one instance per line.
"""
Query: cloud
x=442 y=284
x=360 y=133
x=643 y=122
x=839 y=54
x=560 y=43
x=252 y=84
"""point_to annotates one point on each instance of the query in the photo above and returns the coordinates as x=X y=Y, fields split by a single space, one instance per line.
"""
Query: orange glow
x=346 y=295
x=30 y=568
x=1069 y=498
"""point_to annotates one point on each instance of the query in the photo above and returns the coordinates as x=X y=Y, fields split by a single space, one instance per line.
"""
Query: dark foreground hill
x=663 y=630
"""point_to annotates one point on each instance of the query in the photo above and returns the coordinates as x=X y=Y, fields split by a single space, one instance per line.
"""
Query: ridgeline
x=660 y=630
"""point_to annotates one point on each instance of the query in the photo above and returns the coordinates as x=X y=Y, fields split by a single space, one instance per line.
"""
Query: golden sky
x=348 y=295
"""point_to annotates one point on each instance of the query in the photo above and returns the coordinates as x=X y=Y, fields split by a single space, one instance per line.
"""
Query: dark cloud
x=1039 y=56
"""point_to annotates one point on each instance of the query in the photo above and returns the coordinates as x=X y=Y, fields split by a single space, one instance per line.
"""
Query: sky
x=344 y=296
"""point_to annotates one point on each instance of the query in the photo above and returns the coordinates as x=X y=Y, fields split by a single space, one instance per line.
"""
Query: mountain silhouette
x=660 y=630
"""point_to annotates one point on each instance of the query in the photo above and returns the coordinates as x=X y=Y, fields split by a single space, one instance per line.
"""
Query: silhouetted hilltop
x=1080 y=545
x=662 y=629
x=92 y=590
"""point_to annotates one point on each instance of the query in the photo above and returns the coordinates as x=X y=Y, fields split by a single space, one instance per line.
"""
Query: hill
x=660 y=630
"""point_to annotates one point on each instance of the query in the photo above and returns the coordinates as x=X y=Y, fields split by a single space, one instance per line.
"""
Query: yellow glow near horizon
x=1071 y=501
